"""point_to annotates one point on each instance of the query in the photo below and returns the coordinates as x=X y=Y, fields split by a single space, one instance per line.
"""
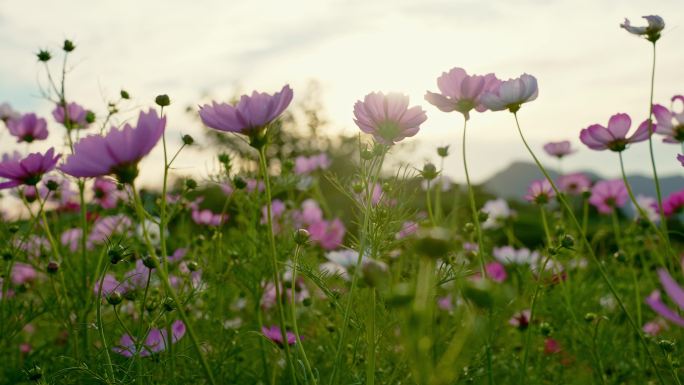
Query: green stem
x=170 y=290
x=593 y=256
x=100 y=328
x=368 y=207
x=429 y=204
x=370 y=341
x=274 y=262
x=473 y=207
x=293 y=307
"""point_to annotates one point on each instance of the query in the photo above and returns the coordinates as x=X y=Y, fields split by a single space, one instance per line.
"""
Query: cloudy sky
x=588 y=68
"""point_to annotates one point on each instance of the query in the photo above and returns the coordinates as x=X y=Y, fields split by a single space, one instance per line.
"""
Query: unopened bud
x=188 y=140
x=52 y=267
x=301 y=237
x=162 y=100
x=114 y=298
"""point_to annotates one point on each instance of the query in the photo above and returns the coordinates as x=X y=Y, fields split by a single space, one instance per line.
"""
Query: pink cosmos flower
x=208 y=218
x=109 y=285
x=574 y=184
x=445 y=303
x=329 y=235
x=614 y=137
x=28 y=128
x=72 y=238
x=520 y=320
x=118 y=152
x=388 y=117
x=250 y=115
x=107 y=194
x=75 y=117
x=607 y=195
x=28 y=171
x=23 y=273
x=306 y=165
x=680 y=158
x=673 y=203
x=408 y=228
x=540 y=192
x=551 y=346
x=558 y=149
x=105 y=228
x=652 y=31
x=670 y=124
x=496 y=272
x=655 y=327
x=273 y=333
x=676 y=294
x=255 y=185
x=510 y=94
x=277 y=210
x=461 y=92
x=155 y=342
x=310 y=213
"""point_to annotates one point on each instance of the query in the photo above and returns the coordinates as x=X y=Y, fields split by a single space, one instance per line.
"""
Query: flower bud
x=124 y=94
x=400 y=295
x=35 y=373
x=357 y=187
x=192 y=266
x=239 y=183
x=13 y=229
x=443 y=152
x=44 y=55
x=169 y=304
x=482 y=216
x=150 y=262
x=620 y=256
x=288 y=165
x=188 y=140
x=567 y=241
x=162 y=100
x=667 y=345
x=429 y=171
x=433 y=242
x=190 y=184
x=366 y=155
x=52 y=185
x=468 y=228
x=546 y=329
x=590 y=317
x=307 y=301
x=378 y=149
x=114 y=298
x=90 y=117
x=68 y=46
x=301 y=237
x=7 y=256
x=116 y=253
x=52 y=267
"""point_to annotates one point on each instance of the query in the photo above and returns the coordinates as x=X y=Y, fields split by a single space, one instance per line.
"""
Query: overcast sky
x=588 y=68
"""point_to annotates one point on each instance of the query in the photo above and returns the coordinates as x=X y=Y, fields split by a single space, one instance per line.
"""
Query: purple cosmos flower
x=510 y=94
x=109 y=285
x=155 y=342
x=23 y=273
x=208 y=218
x=461 y=92
x=328 y=234
x=652 y=31
x=670 y=124
x=28 y=128
x=574 y=184
x=680 y=158
x=72 y=238
x=676 y=294
x=28 y=171
x=388 y=117
x=673 y=203
x=540 y=192
x=107 y=193
x=408 y=228
x=118 y=152
x=250 y=115
x=614 y=137
x=273 y=333
x=308 y=164
x=104 y=228
x=607 y=195
x=75 y=117
x=558 y=149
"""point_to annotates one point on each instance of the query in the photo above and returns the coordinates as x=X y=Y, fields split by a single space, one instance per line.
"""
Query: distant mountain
x=512 y=182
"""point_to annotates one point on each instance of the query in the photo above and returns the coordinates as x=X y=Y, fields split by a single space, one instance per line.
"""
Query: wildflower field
x=307 y=260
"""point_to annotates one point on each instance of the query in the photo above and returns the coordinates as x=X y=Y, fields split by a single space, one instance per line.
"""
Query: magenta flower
x=28 y=171
x=496 y=272
x=652 y=31
x=107 y=193
x=461 y=92
x=614 y=137
x=607 y=195
x=574 y=184
x=329 y=235
x=72 y=238
x=676 y=294
x=540 y=192
x=75 y=117
x=558 y=149
x=670 y=124
x=673 y=203
x=273 y=333
x=23 y=273
x=388 y=117
x=155 y=342
x=118 y=152
x=208 y=218
x=28 y=128
x=510 y=94
x=250 y=115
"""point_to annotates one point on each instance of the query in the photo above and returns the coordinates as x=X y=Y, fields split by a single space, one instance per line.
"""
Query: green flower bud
x=590 y=317
x=52 y=185
x=68 y=46
x=667 y=345
x=301 y=237
x=567 y=241
x=545 y=329
x=35 y=373
x=188 y=140
x=90 y=117
x=443 y=152
x=192 y=266
x=169 y=304
x=429 y=171
x=124 y=94
x=114 y=298
x=162 y=100
x=150 y=262
x=239 y=183
x=190 y=184
x=366 y=155
x=44 y=55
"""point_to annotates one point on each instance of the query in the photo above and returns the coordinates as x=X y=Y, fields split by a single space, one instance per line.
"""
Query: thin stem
x=370 y=341
x=368 y=206
x=593 y=256
x=473 y=207
x=293 y=307
x=429 y=204
x=170 y=290
x=100 y=327
x=274 y=261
